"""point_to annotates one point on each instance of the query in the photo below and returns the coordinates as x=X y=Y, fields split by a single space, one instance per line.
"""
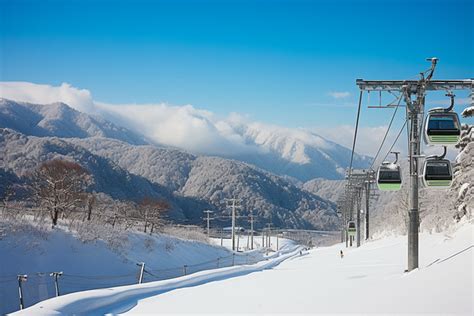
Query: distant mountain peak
x=58 y=119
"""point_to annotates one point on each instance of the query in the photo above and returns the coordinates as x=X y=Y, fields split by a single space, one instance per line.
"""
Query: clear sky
x=277 y=61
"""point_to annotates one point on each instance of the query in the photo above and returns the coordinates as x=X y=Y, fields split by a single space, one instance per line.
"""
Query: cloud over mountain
x=299 y=153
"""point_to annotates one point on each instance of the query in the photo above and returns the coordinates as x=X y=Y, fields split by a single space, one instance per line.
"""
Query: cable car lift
x=351 y=229
x=442 y=126
x=437 y=172
x=389 y=175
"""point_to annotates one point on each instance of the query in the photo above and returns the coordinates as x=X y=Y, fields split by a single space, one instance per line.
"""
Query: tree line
x=60 y=190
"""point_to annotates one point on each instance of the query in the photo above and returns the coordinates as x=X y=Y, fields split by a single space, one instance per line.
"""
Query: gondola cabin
x=437 y=173
x=351 y=229
x=442 y=128
x=389 y=177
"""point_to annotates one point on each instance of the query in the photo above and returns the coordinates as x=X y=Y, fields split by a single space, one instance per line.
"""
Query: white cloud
x=339 y=94
x=186 y=127
x=198 y=131
x=193 y=129
x=80 y=99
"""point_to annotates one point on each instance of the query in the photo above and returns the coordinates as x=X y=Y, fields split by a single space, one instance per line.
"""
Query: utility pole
x=415 y=112
x=235 y=203
x=238 y=239
x=367 y=202
x=142 y=270
x=21 y=278
x=277 y=241
x=269 y=242
x=208 y=212
x=55 y=275
x=251 y=229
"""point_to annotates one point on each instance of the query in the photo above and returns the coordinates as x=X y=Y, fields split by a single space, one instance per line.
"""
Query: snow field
x=120 y=299
x=367 y=280
x=94 y=264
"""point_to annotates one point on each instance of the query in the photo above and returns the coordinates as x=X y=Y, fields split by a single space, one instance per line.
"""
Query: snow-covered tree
x=59 y=187
x=151 y=211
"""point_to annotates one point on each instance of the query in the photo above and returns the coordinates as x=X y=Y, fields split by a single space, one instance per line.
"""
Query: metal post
x=277 y=241
x=238 y=240
x=346 y=238
x=185 y=269
x=367 y=202
x=218 y=259
x=142 y=270
x=233 y=259
x=55 y=275
x=251 y=229
x=208 y=219
x=21 y=278
x=233 y=224
x=414 y=152
x=358 y=204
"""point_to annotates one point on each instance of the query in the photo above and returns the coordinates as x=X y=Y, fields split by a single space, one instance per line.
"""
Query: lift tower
x=414 y=92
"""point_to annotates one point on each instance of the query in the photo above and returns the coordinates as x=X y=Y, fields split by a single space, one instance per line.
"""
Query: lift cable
x=386 y=132
x=396 y=139
x=355 y=132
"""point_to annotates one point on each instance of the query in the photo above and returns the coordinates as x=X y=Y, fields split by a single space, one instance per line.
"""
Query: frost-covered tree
x=59 y=187
x=151 y=211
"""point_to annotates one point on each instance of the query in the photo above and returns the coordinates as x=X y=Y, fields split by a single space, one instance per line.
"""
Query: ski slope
x=369 y=279
x=95 y=264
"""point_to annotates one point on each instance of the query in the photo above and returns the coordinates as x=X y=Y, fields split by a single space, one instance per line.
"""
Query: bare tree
x=150 y=210
x=59 y=187
x=8 y=194
x=121 y=213
x=91 y=202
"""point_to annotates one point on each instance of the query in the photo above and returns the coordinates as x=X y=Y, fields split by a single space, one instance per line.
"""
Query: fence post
x=184 y=269
x=56 y=285
x=218 y=262
x=142 y=269
x=21 y=278
x=233 y=259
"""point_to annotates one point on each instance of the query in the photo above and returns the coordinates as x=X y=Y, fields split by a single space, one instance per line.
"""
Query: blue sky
x=277 y=61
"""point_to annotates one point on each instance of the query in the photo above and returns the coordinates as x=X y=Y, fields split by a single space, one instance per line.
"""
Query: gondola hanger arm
x=451 y=106
x=445 y=150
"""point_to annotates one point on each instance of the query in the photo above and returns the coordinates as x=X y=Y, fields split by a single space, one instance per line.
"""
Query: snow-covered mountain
x=297 y=153
x=191 y=184
x=60 y=120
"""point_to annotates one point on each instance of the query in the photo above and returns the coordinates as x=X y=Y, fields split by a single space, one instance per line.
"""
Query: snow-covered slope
x=90 y=263
x=369 y=279
x=21 y=154
x=298 y=153
x=327 y=189
x=191 y=184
